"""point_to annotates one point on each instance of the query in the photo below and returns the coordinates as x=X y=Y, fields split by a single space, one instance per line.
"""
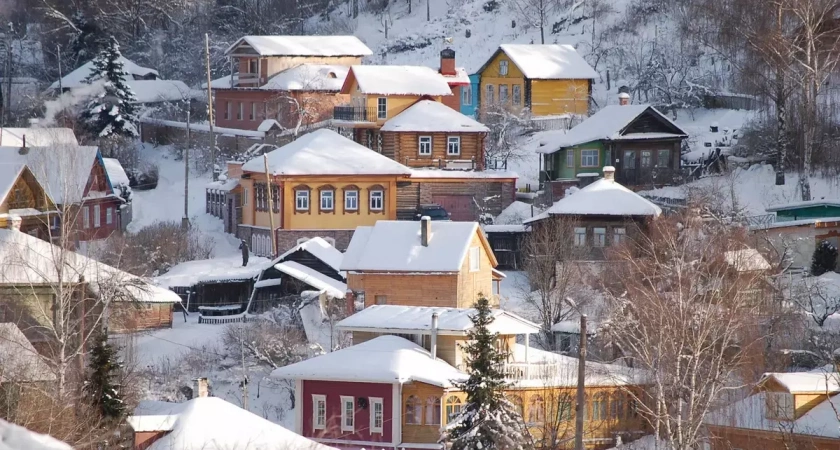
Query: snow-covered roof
x=15 y=437
x=805 y=382
x=210 y=423
x=417 y=320
x=400 y=80
x=603 y=197
x=227 y=268
x=153 y=91
x=319 y=248
x=385 y=359
x=325 y=152
x=394 y=246
x=430 y=172
x=32 y=261
x=309 y=77
x=573 y=327
x=303 y=45
x=751 y=413
x=505 y=228
x=560 y=370
x=800 y=205
x=9 y=174
x=746 y=260
x=62 y=170
x=516 y=213
x=461 y=77
x=606 y=124
x=431 y=116
x=115 y=172
x=549 y=61
x=37 y=137
x=321 y=282
x=21 y=362
x=77 y=77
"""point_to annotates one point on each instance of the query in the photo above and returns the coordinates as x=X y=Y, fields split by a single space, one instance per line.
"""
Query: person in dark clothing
x=244 y=247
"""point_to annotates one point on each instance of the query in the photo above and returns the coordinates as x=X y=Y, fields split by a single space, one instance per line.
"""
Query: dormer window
x=779 y=405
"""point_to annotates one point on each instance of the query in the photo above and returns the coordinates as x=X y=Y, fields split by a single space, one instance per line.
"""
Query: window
x=377 y=414
x=376 y=198
x=517 y=403
x=433 y=411
x=662 y=158
x=228 y=106
x=564 y=409
x=647 y=155
x=348 y=410
x=580 y=236
x=261 y=197
x=379 y=142
x=253 y=115
x=564 y=343
x=629 y=159
x=245 y=196
x=302 y=200
x=413 y=411
x=517 y=94
x=536 y=410
x=86 y=216
x=599 y=237
x=589 y=158
x=599 y=407
x=617 y=407
x=425 y=145
x=453 y=407
x=382 y=108
x=381 y=299
x=97 y=218
x=351 y=200
x=466 y=94
x=570 y=158
x=252 y=66
x=453 y=145
x=619 y=235
x=319 y=412
x=327 y=200
x=475 y=259
x=241 y=111
x=503 y=93
x=109 y=216
x=489 y=90
x=503 y=67
x=779 y=405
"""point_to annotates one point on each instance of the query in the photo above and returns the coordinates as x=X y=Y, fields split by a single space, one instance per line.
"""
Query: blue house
x=469 y=97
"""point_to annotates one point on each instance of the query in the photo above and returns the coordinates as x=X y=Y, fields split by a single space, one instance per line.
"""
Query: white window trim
x=298 y=196
x=503 y=67
x=381 y=403
x=331 y=197
x=253 y=110
x=570 y=153
x=475 y=259
x=595 y=237
x=315 y=399
x=619 y=232
x=382 y=114
x=245 y=197
x=241 y=111
x=97 y=216
x=381 y=200
x=450 y=140
x=86 y=216
x=576 y=234
x=516 y=94
x=348 y=196
x=420 y=142
x=597 y=157
x=344 y=400
x=109 y=216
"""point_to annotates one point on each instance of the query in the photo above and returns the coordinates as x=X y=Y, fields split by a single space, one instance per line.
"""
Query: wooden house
x=322 y=184
x=797 y=238
x=456 y=78
x=603 y=214
x=23 y=198
x=640 y=142
x=423 y=263
x=470 y=97
x=785 y=410
x=546 y=79
x=286 y=79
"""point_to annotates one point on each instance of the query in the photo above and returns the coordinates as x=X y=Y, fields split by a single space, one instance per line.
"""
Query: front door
x=629 y=171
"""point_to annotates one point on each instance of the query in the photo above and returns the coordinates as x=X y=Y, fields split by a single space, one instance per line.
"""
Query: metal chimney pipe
x=425 y=230
x=433 y=346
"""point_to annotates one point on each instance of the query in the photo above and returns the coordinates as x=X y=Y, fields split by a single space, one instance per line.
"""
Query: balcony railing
x=530 y=371
x=354 y=114
x=246 y=80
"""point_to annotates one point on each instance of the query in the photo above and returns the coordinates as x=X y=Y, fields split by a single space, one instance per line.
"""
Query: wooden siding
x=407 y=289
x=550 y=97
x=423 y=433
x=408 y=199
x=473 y=284
x=449 y=347
x=404 y=147
x=129 y=316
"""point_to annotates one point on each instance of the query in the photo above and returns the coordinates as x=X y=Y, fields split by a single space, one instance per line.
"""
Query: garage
x=460 y=207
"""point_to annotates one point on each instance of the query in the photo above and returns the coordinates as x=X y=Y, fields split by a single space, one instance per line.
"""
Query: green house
x=639 y=141
x=814 y=209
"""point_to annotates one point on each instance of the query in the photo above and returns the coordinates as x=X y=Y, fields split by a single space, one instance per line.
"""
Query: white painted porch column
x=527 y=361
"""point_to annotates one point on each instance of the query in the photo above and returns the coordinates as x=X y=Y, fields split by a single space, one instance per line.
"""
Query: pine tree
x=112 y=111
x=824 y=259
x=488 y=420
x=103 y=390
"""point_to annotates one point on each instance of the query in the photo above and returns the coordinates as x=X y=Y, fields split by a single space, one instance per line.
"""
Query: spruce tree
x=110 y=112
x=488 y=420
x=101 y=385
x=824 y=258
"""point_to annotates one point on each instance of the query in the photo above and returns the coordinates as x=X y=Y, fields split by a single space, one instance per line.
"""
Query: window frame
x=244 y=196
x=619 y=231
x=380 y=196
x=777 y=410
x=587 y=154
x=649 y=154
x=456 y=140
x=86 y=217
x=503 y=67
x=466 y=95
x=329 y=195
x=490 y=94
x=345 y=399
x=416 y=416
x=599 y=237
x=109 y=216
x=316 y=399
x=382 y=107
x=355 y=198
x=577 y=234
x=97 y=216
x=504 y=90
x=253 y=115
x=423 y=141
x=475 y=259
x=516 y=94
x=659 y=161
x=570 y=154
x=432 y=414
x=453 y=407
x=299 y=197
x=241 y=114
x=377 y=401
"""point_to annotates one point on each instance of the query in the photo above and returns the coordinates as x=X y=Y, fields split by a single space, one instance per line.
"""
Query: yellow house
x=425 y=263
x=547 y=79
x=322 y=184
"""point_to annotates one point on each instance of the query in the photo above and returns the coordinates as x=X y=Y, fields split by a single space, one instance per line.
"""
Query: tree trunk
x=810 y=138
x=781 y=128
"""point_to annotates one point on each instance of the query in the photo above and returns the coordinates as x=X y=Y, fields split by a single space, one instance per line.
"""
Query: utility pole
x=244 y=370
x=185 y=221
x=269 y=193
x=60 y=87
x=210 y=106
x=8 y=74
x=581 y=386
x=428 y=12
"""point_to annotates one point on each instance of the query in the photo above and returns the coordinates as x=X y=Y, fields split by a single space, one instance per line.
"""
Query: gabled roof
x=310 y=276
x=303 y=45
x=546 y=62
x=309 y=77
x=77 y=77
x=385 y=359
x=325 y=152
x=751 y=414
x=806 y=204
x=610 y=123
x=432 y=116
x=154 y=91
x=37 y=137
x=14 y=437
x=397 y=80
x=210 y=423
x=805 y=382
x=394 y=246
x=63 y=170
x=318 y=248
x=417 y=320
x=115 y=171
x=9 y=174
x=21 y=362
x=745 y=260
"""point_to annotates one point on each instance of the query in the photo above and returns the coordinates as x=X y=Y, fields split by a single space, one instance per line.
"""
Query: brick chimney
x=623 y=96
x=201 y=387
x=14 y=222
x=447 y=62
x=609 y=173
x=234 y=169
x=425 y=230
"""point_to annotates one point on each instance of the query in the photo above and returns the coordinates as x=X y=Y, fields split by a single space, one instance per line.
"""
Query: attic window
x=503 y=67
x=331 y=75
x=475 y=259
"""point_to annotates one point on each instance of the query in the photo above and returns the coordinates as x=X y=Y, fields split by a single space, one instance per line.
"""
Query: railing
x=441 y=163
x=252 y=79
x=530 y=371
x=761 y=220
x=354 y=114
x=495 y=164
